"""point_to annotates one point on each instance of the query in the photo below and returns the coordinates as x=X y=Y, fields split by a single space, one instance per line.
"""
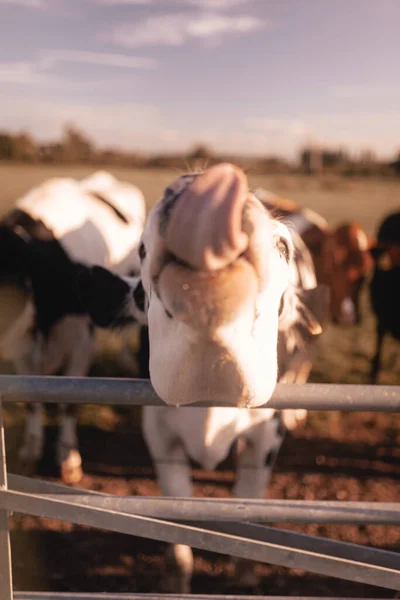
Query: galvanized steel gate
x=223 y=526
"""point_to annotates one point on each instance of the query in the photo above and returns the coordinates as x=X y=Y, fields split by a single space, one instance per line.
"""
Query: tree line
x=76 y=147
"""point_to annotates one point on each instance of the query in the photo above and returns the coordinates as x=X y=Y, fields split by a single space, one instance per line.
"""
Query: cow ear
x=309 y=310
x=109 y=299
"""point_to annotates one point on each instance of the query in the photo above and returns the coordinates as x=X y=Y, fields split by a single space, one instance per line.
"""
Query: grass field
x=334 y=456
x=344 y=353
x=335 y=198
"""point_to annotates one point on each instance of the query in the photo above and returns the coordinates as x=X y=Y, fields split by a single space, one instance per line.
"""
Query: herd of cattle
x=231 y=288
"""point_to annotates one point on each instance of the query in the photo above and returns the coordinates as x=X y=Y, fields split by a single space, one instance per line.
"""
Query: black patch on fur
x=143 y=355
x=281 y=429
x=27 y=227
x=169 y=199
x=270 y=458
x=30 y=252
x=53 y=281
x=142 y=251
x=104 y=296
x=108 y=203
x=139 y=296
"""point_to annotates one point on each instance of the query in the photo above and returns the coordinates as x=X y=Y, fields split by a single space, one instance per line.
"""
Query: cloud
x=204 y=4
x=128 y=125
x=362 y=92
x=176 y=29
x=279 y=127
x=26 y=3
x=121 y=2
x=216 y=4
x=39 y=71
x=105 y=59
x=20 y=72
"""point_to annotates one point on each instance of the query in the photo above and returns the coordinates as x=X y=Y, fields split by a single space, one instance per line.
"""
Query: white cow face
x=214 y=267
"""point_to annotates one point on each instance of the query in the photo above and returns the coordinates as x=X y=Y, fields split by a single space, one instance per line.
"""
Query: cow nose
x=205 y=228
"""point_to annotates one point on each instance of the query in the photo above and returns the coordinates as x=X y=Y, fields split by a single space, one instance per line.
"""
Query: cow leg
x=256 y=458
x=33 y=441
x=174 y=478
x=68 y=455
x=376 y=361
x=32 y=447
x=71 y=343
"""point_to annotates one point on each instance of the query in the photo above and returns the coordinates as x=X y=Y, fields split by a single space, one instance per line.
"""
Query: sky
x=256 y=77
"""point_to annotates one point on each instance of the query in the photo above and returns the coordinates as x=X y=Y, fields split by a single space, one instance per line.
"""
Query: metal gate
x=223 y=526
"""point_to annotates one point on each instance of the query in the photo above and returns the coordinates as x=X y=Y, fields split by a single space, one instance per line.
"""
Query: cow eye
x=283 y=248
x=142 y=251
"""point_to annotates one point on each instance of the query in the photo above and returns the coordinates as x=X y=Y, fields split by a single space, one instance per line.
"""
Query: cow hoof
x=178 y=570
x=71 y=468
x=292 y=418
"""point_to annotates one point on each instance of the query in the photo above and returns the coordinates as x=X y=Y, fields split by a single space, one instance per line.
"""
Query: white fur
x=250 y=347
x=206 y=436
x=89 y=230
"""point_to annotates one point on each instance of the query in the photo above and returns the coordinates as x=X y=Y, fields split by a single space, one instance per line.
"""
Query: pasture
x=333 y=457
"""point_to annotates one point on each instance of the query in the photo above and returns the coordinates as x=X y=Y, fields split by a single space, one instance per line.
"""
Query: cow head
x=215 y=269
x=386 y=249
x=346 y=262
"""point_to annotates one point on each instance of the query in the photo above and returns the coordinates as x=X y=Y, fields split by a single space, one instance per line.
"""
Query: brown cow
x=341 y=256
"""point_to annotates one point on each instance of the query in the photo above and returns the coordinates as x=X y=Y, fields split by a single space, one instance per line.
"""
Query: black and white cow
x=385 y=285
x=52 y=230
x=219 y=285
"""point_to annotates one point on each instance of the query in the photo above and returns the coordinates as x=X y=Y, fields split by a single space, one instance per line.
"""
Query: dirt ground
x=334 y=456
x=345 y=457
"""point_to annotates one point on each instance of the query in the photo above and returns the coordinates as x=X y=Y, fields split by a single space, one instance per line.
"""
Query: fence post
x=6 y=591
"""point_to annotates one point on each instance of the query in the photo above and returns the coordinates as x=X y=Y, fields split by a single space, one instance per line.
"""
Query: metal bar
x=221 y=509
x=344 y=551
x=125 y=596
x=139 y=392
x=6 y=592
x=293 y=550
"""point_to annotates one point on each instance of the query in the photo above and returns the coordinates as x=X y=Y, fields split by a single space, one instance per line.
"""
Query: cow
x=219 y=287
x=50 y=233
x=341 y=256
x=385 y=285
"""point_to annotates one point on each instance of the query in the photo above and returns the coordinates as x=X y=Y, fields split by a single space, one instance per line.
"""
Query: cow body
x=176 y=436
x=221 y=283
x=385 y=286
x=51 y=231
